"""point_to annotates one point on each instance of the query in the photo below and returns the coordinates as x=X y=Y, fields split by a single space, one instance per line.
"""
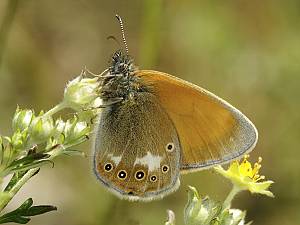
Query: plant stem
x=55 y=109
x=17 y=187
x=151 y=32
x=229 y=198
x=13 y=191
x=8 y=18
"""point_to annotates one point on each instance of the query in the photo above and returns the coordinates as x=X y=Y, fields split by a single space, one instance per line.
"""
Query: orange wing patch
x=211 y=131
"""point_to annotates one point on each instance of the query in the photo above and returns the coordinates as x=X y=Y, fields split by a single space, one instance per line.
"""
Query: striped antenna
x=123 y=33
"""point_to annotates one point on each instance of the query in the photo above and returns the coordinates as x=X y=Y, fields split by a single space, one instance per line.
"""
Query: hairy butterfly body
x=153 y=126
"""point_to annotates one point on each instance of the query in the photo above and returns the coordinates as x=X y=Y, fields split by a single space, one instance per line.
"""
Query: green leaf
x=31 y=166
x=40 y=209
x=72 y=152
x=29 y=159
x=25 y=205
x=15 y=178
x=21 y=220
x=28 y=162
x=22 y=214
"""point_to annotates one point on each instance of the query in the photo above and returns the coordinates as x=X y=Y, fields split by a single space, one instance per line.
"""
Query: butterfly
x=153 y=127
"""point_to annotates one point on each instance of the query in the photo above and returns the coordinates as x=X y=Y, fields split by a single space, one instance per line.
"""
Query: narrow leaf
x=14 y=219
x=40 y=209
x=21 y=215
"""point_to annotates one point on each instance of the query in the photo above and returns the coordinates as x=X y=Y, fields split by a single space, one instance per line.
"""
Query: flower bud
x=81 y=92
x=59 y=126
x=18 y=139
x=58 y=134
x=22 y=119
x=171 y=218
x=75 y=129
x=200 y=211
x=237 y=216
x=41 y=128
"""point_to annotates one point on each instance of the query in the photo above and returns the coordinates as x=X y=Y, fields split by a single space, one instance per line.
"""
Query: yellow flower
x=245 y=177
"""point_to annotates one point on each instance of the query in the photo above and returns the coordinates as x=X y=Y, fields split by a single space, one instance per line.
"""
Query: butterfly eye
x=108 y=167
x=153 y=178
x=165 y=169
x=170 y=147
x=122 y=174
x=139 y=175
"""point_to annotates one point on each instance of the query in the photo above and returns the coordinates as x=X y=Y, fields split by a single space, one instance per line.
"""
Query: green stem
x=13 y=191
x=227 y=203
x=55 y=109
x=8 y=18
x=151 y=32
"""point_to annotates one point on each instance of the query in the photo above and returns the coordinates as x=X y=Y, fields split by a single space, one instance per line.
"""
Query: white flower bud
x=41 y=128
x=81 y=92
x=200 y=211
x=75 y=129
x=22 y=119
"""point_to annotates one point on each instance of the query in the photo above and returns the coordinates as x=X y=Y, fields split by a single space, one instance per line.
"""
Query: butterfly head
x=121 y=82
x=121 y=64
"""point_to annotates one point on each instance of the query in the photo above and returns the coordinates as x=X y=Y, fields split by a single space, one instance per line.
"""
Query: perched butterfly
x=154 y=126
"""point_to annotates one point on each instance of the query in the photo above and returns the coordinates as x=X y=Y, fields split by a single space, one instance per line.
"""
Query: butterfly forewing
x=137 y=150
x=211 y=131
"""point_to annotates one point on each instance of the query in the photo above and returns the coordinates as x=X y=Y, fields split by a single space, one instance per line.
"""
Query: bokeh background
x=247 y=52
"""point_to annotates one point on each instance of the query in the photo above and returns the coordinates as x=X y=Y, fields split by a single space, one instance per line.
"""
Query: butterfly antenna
x=111 y=37
x=123 y=33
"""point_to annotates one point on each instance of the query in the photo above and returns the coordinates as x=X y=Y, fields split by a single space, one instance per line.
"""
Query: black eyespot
x=130 y=193
x=139 y=175
x=165 y=169
x=170 y=147
x=122 y=174
x=153 y=178
x=108 y=167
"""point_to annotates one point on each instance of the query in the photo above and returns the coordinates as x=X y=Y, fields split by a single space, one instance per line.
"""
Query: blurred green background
x=247 y=52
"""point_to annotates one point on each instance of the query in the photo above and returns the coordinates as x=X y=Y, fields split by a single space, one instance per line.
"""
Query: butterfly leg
x=110 y=102
x=85 y=70
x=101 y=75
x=106 y=104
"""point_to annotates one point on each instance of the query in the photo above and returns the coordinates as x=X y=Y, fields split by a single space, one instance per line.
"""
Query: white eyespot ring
x=139 y=175
x=122 y=174
x=153 y=178
x=108 y=167
x=165 y=169
x=170 y=147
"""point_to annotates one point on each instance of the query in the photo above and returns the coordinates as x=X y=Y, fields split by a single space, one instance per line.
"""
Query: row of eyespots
x=169 y=147
x=139 y=175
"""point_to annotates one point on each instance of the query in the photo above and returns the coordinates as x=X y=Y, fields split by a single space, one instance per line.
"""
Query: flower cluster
x=45 y=137
x=39 y=138
x=205 y=211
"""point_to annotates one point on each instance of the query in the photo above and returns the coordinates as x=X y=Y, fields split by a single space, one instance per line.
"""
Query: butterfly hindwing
x=136 y=149
x=211 y=131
